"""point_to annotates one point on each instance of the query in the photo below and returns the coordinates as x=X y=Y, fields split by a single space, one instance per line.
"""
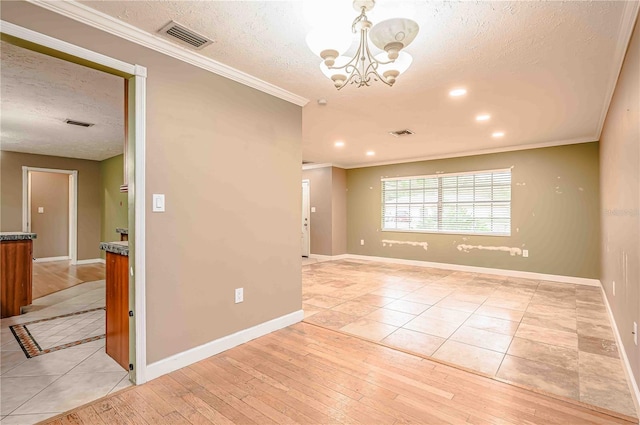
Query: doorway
x=50 y=209
x=135 y=75
x=306 y=224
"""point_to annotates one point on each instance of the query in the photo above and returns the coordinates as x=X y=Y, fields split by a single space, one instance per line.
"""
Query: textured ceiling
x=543 y=70
x=39 y=92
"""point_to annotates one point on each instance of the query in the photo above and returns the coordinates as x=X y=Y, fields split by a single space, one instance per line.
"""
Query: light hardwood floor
x=58 y=275
x=307 y=374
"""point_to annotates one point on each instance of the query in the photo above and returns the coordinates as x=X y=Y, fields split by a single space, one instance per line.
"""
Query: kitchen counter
x=124 y=233
x=16 y=263
x=117 y=301
x=17 y=236
x=119 y=247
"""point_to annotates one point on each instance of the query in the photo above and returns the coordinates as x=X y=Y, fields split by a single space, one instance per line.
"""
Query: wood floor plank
x=309 y=375
x=89 y=416
x=55 y=276
x=219 y=391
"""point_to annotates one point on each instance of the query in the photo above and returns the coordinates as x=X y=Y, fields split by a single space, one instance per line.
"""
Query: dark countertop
x=122 y=231
x=119 y=247
x=17 y=236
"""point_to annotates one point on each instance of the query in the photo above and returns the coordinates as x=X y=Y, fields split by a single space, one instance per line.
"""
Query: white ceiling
x=545 y=71
x=39 y=92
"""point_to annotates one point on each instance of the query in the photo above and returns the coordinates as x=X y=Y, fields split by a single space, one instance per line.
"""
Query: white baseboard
x=91 y=261
x=51 y=259
x=180 y=360
x=475 y=269
x=329 y=257
x=633 y=384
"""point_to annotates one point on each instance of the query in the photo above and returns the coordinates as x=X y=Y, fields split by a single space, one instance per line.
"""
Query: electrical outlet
x=635 y=332
x=239 y=295
x=361 y=241
x=525 y=253
x=614 y=288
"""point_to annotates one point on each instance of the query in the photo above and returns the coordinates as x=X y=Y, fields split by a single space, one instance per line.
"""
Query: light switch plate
x=40 y=210
x=158 y=202
x=239 y=295
x=313 y=209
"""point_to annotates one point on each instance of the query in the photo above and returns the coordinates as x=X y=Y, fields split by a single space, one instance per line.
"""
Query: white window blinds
x=468 y=203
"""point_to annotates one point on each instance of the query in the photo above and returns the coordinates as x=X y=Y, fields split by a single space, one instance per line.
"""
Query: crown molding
x=627 y=23
x=477 y=152
x=96 y=19
x=314 y=166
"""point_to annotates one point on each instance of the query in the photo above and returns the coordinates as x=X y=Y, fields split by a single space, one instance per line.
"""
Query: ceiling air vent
x=78 y=123
x=184 y=35
x=400 y=133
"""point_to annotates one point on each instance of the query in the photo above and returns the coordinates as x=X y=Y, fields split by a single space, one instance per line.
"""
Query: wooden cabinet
x=16 y=267
x=117 y=301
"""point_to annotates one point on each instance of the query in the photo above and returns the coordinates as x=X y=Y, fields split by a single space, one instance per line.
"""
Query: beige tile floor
x=41 y=387
x=548 y=335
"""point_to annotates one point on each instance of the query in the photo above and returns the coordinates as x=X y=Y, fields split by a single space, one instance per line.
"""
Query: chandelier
x=390 y=37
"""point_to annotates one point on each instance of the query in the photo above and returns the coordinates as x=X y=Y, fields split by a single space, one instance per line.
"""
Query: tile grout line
x=516 y=331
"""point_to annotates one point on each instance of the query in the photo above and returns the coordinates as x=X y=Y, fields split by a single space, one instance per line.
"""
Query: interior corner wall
x=554 y=213
x=227 y=157
x=115 y=204
x=320 y=201
x=338 y=211
x=620 y=194
x=89 y=204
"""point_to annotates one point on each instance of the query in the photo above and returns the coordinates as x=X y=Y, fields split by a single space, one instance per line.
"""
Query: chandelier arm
x=372 y=68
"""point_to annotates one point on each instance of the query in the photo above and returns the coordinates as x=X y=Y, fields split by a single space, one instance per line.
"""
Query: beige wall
x=338 y=211
x=555 y=213
x=320 y=194
x=620 y=194
x=328 y=195
x=50 y=191
x=115 y=208
x=88 y=195
x=227 y=158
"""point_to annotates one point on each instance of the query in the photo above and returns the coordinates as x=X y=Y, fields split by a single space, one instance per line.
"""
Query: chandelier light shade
x=364 y=67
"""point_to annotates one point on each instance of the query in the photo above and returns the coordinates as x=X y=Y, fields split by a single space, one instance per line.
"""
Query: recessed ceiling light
x=498 y=134
x=370 y=153
x=483 y=117
x=339 y=144
x=458 y=92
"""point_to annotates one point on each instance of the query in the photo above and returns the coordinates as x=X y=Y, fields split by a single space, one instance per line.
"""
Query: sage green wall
x=114 y=203
x=338 y=211
x=620 y=192
x=555 y=212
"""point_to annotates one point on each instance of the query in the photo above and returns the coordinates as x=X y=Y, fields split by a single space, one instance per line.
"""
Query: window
x=468 y=203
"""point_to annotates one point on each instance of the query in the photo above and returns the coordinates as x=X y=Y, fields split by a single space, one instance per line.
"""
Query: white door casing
x=73 y=205
x=306 y=220
x=137 y=75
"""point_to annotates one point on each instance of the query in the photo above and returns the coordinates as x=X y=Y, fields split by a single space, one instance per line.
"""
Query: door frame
x=306 y=191
x=136 y=75
x=73 y=205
